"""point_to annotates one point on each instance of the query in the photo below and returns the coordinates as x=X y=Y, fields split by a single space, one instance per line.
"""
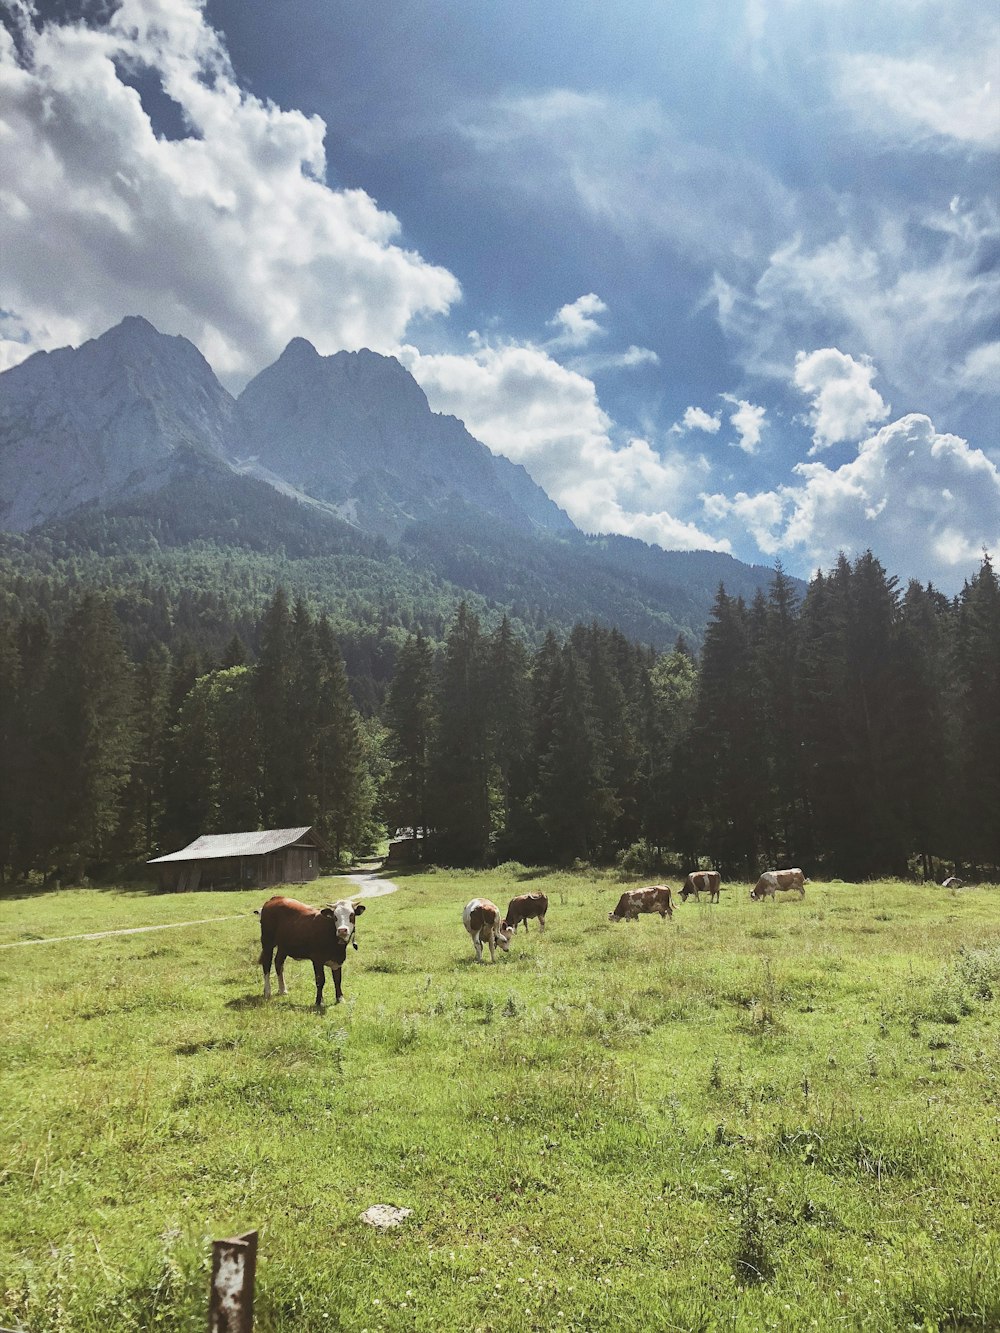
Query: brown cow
x=290 y=929
x=481 y=919
x=634 y=901
x=702 y=881
x=523 y=908
x=774 y=880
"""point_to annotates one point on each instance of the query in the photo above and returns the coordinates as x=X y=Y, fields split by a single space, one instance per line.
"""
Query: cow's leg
x=477 y=944
x=541 y=923
x=279 y=967
x=320 y=976
x=491 y=941
x=336 y=983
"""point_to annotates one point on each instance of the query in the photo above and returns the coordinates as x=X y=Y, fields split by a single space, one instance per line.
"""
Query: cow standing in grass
x=481 y=919
x=774 y=881
x=634 y=901
x=290 y=929
x=702 y=881
x=523 y=908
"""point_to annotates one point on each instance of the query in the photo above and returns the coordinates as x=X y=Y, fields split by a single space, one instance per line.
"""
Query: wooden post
x=234 y=1267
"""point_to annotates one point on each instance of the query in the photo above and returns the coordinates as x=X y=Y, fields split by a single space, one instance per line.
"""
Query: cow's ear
x=358 y=908
x=328 y=911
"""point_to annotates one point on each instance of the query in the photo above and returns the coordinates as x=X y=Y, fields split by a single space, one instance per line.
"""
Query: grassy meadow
x=778 y=1115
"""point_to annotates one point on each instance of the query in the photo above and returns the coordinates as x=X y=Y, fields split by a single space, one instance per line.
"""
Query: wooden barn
x=242 y=860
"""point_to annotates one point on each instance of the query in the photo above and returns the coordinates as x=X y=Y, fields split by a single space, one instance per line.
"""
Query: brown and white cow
x=702 y=881
x=523 y=908
x=290 y=929
x=481 y=919
x=773 y=881
x=634 y=901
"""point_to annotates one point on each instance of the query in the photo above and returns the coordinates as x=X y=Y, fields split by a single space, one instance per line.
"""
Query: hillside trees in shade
x=978 y=643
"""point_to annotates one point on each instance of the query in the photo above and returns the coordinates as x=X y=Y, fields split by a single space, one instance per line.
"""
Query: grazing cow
x=952 y=882
x=481 y=919
x=773 y=881
x=634 y=901
x=523 y=908
x=290 y=929
x=702 y=881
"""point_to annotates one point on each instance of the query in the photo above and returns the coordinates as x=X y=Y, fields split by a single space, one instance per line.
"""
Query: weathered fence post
x=234 y=1267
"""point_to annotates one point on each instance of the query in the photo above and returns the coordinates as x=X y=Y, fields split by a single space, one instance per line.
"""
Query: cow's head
x=504 y=935
x=343 y=915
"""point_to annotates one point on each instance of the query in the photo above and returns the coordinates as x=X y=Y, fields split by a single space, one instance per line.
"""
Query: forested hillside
x=855 y=732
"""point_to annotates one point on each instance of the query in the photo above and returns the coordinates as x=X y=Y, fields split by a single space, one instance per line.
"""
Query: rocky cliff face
x=356 y=429
x=351 y=433
x=110 y=418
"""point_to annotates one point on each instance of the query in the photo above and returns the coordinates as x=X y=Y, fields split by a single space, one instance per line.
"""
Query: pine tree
x=10 y=743
x=89 y=739
x=273 y=697
x=410 y=723
x=461 y=763
x=979 y=714
x=575 y=803
x=510 y=735
x=345 y=793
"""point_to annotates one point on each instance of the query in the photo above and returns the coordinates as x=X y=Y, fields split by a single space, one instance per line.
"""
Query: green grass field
x=778 y=1115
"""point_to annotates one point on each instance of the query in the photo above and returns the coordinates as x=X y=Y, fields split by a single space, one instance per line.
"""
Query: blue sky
x=720 y=276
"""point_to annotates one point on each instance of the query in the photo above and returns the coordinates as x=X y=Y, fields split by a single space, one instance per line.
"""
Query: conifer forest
x=853 y=730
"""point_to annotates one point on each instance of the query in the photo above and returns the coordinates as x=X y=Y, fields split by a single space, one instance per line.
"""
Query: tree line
x=855 y=732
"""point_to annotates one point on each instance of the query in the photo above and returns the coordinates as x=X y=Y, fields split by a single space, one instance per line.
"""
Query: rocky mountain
x=352 y=434
x=112 y=418
x=329 y=474
x=355 y=430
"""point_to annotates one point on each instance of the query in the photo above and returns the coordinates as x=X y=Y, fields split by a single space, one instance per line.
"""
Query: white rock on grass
x=385 y=1216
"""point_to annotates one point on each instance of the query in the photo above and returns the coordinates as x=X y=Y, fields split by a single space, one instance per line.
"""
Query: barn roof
x=213 y=845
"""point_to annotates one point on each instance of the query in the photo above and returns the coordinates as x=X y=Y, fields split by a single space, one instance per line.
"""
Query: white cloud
x=576 y=321
x=916 y=305
x=696 y=418
x=525 y=405
x=927 y=95
x=844 y=403
x=624 y=165
x=748 y=421
x=981 y=368
x=925 y=503
x=229 y=235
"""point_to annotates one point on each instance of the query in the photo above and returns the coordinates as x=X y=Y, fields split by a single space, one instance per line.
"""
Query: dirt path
x=370 y=886
x=131 y=930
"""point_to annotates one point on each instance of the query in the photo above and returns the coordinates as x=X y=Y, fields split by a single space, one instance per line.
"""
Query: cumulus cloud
x=748 y=421
x=228 y=233
x=926 y=503
x=576 y=322
x=844 y=403
x=696 y=418
x=522 y=403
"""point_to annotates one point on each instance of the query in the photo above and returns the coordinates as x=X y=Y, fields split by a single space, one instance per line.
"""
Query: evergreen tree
x=89 y=739
x=575 y=803
x=275 y=712
x=410 y=723
x=669 y=814
x=10 y=743
x=510 y=736
x=345 y=794
x=929 y=778
x=727 y=755
x=979 y=714
x=461 y=768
